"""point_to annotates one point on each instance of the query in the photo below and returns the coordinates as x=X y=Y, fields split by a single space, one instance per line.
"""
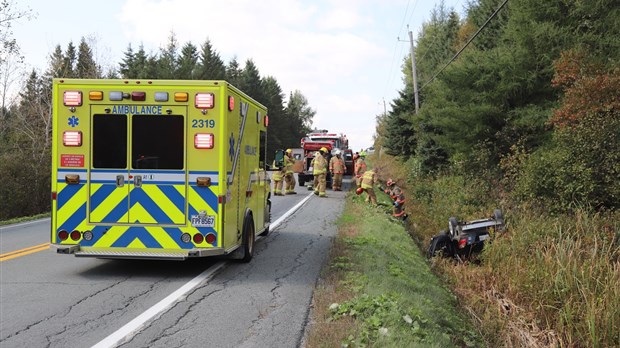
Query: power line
x=466 y=44
x=394 y=56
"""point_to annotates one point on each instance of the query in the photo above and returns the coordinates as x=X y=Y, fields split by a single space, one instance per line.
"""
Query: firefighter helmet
x=323 y=149
x=359 y=190
x=289 y=150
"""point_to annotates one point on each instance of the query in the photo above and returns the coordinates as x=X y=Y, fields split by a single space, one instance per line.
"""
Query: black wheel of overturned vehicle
x=453 y=223
x=498 y=216
x=440 y=245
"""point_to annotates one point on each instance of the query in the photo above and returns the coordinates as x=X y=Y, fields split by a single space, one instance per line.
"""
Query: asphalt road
x=51 y=300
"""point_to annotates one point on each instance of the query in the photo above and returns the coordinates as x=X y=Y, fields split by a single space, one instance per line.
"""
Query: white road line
x=290 y=212
x=159 y=308
x=134 y=326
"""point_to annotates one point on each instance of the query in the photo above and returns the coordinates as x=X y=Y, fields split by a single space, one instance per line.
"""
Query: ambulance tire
x=265 y=231
x=268 y=212
x=249 y=237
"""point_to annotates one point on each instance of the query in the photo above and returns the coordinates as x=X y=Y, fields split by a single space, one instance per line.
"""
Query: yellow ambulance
x=157 y=169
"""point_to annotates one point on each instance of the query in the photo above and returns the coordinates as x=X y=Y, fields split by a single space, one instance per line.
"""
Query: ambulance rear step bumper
x=139 y=255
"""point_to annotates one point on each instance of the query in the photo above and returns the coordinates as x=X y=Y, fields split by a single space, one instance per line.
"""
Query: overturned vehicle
x=465 y=238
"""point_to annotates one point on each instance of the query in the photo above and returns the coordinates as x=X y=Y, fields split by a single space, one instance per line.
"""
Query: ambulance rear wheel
x=249 y=238
x=268 y=220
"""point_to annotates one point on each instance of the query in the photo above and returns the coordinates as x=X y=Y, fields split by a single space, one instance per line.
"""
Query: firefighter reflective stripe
x=368 y=179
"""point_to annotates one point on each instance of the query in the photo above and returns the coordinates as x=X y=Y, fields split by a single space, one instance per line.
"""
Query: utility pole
x=413 y=72
x=384 y=108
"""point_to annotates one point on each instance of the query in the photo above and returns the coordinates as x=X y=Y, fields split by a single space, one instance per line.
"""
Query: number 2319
x=203 y=123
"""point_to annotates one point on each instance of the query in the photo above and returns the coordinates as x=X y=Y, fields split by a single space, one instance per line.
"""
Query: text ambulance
x=157 y=169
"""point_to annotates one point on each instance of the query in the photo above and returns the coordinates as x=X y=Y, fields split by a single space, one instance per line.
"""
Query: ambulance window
x=109 y=141
x=157 y=142
x=263 y=149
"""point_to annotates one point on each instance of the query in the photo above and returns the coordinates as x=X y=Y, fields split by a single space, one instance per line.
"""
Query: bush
x=25 y=187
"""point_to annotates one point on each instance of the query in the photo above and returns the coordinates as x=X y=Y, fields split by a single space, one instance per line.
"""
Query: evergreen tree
x=400 y=134
x=144 y=66
x=128 y=64
x=211 y=66
x=168 y=59
x=69 y=58
x=278 y=137
x=187 y=62
x=251 y=83
x=86 y=67
x=233 y=72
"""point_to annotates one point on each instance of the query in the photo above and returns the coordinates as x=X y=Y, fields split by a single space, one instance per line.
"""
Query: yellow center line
x=23 y=252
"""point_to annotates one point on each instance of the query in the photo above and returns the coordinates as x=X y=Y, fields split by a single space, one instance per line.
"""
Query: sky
x=344 y=56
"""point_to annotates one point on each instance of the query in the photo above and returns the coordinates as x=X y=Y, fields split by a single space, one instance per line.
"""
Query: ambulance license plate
x=203 y=221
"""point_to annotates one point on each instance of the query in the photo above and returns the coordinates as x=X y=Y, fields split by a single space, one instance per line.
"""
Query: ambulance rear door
x=138 y=169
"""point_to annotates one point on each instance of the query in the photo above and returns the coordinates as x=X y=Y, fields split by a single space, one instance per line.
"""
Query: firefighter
x=277 y=179
x=369 y=179
x=337 y=168
x=315 y=180
x=319 y=164
x=398 y=199
x=289 y=175
x=360 y=168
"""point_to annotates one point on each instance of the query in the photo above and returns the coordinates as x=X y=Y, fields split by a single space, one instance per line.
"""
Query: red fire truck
x=315 y=140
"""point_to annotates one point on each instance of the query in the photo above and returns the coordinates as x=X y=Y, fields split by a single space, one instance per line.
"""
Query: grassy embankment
x=379 y=291
x=549 y=281
x=24 y=219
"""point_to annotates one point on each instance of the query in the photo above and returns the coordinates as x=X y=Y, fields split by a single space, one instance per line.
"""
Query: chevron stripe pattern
x=153 y=216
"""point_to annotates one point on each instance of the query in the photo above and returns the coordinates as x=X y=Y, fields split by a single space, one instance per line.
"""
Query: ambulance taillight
x=76 y=235
x=72 y=98
x=210 y=238
x=203 y=141
x=72 y=138
x=198 y=238
x=63 y=235
x=204 y=100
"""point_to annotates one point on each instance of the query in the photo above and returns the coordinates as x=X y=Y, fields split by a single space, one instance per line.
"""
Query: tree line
x=26 y=123
x=530 y=104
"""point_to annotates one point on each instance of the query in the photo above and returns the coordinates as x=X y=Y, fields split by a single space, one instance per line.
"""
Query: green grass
x=551 y=280
x=394 y=298
x=24 y=219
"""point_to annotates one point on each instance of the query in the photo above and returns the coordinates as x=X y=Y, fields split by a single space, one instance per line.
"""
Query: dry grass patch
x=322 y=331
